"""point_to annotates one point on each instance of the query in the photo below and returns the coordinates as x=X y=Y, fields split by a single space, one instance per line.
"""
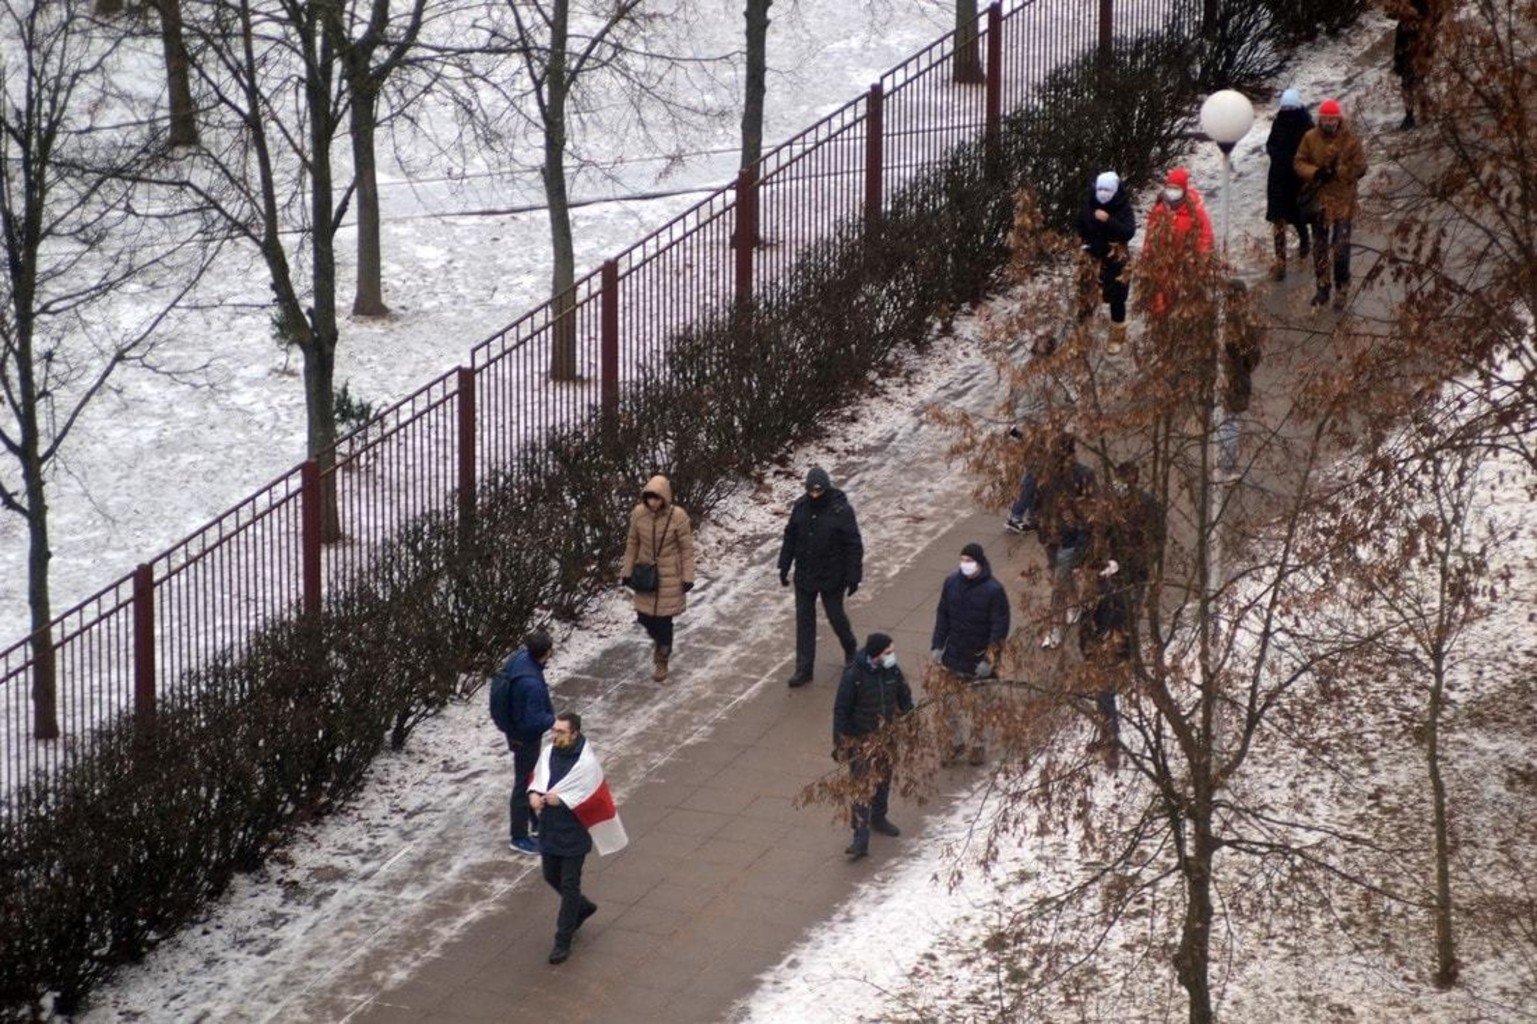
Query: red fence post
x=466 y=385
x=746 y=235
x=608 y=340
x=994 y=84
x=310 y=499
x=144 y=642
x=1106 y=28
x=875 y=152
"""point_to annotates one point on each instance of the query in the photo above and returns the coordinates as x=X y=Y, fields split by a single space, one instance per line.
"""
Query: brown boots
x=659 y=656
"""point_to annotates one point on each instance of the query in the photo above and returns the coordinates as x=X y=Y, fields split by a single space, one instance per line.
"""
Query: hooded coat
x=973 y=616
x=822 y=541
x=1343 y=153
x=1282 y=183
x=665 y=539
x=1184 y=223
x=1105 y=240
x=869 y=696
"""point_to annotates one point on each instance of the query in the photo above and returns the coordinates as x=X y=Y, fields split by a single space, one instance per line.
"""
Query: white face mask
x=889 y=660
x=1104 y=195
x=1173 y=195
x=969 y=568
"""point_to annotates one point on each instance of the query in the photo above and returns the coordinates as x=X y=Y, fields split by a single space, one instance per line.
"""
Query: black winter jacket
x=869 y=696
x=1282 y=184
x=1099 y=238
x=822 y=542
x=560 y=833
x=973 y=616
x=520 y=700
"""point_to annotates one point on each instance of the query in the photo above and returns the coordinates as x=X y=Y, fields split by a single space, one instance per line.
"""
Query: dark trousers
x=1114 y=289
x=658 y=627
x=806 y=626
x=1331 y=238
x=1109 y=716
x=1278 y=229
x=1025 y=505
x=875 y=810
x=524 y=757
x=564 y=875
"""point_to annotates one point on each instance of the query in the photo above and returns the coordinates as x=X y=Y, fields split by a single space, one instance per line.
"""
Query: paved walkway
x=723 y=873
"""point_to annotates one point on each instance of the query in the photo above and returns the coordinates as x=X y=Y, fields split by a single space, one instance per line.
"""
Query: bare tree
x=966 y=62
x=74 y=244
x=582 y=60
x=755 y=87
x=266 y=168
x=372 y=47
x=178 y=75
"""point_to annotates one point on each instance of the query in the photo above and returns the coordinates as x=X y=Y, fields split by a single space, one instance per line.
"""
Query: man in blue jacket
x=521 y=708
x=970 y=626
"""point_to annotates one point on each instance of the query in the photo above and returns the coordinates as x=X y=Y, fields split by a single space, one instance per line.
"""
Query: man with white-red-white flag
x=576 y=815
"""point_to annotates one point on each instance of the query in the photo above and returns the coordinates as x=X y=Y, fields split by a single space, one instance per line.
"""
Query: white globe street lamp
x=1226 y=117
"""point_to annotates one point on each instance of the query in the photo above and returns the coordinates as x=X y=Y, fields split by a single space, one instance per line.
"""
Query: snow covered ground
x=157 y=457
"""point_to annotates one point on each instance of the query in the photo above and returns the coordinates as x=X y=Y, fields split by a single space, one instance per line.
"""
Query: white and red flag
x=586 y=792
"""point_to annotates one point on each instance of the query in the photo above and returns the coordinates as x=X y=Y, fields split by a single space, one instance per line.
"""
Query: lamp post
x=1226 y=117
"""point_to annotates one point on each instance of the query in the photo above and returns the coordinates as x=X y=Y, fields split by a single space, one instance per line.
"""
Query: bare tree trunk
x=967 y=61
x=109 y=8
x=320 y=353
x=756 y=14
x=563 y=355
x=1447 y=967
x=45 y=696
x=369 y=300
x=178 y=80
x=1192 y=963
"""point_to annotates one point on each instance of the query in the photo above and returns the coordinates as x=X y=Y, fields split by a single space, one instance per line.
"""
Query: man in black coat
x=872 y=693
x=823 y=545
x=1105 y=225
x=1291 y=123
x=970 y=626
x=564 y=842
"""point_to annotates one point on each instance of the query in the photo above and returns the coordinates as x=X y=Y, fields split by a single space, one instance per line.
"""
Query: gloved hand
x=853 y=587
x=1111 y=568
x=1323 y=175
x=784 y=579
x=984 y=669
x=936 y=654
x=624 y=581
x=1016 y=433
x=688 y=585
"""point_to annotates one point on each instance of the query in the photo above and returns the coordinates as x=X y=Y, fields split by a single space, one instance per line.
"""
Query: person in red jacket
x=1178 y=230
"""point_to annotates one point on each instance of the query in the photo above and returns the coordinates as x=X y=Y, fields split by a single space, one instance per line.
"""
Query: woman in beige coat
x=660 y=536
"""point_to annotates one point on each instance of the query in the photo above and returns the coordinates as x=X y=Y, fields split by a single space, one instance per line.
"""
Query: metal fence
x=264 y=560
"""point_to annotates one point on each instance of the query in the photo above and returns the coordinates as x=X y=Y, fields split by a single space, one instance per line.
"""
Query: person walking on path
x=577 y=815
x=1179 y=239
x=1240 y=355
x=823 y=546
x=521 y=708
x=1134 y=534
x=1414 y=45
x=872 y=693
x=1291 y=123
x=659 y=567
x=1064 y=495
x=1105 y=225
x=1331 y=162
x=970 y=626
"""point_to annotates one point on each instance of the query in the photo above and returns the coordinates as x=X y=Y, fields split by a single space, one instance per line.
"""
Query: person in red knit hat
x=1331 y=162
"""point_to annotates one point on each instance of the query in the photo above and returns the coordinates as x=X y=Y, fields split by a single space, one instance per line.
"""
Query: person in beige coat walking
x=659 y=566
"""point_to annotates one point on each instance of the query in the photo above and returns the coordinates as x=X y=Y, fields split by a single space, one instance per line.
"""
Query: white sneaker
x=1074 y=614
x=1053 y=639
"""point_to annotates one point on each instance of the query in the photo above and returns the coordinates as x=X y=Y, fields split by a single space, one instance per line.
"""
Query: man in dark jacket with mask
x=823 y=545
x=970 y=626
x=872 y=693
x=521 y=708
x=1105 y=225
